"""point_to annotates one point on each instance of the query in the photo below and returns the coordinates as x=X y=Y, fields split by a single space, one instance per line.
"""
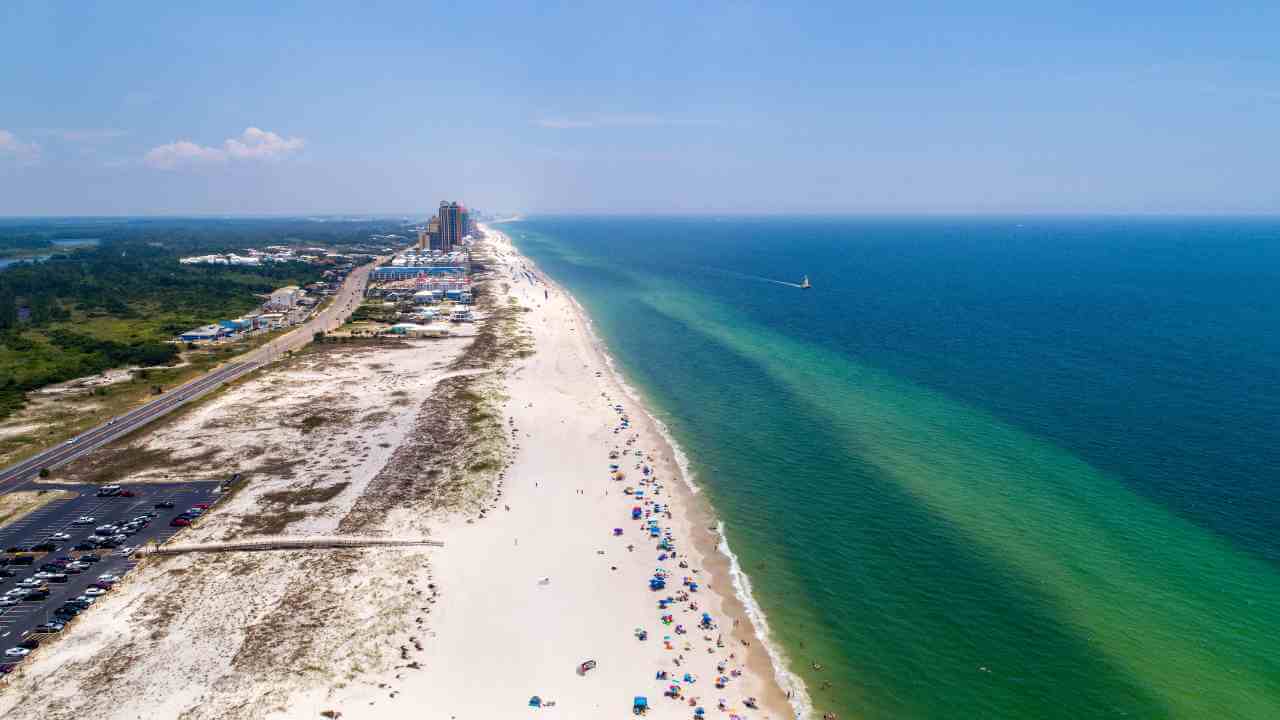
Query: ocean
x=985 y=467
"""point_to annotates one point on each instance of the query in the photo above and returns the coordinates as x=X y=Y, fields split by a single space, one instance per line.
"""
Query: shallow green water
x=982 y=469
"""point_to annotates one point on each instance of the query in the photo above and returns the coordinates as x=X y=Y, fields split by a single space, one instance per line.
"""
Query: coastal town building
x=453 y=220
x=208 y=333
x=433 y=235
x=285 y=297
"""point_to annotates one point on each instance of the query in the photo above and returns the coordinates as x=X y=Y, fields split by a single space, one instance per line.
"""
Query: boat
x=804 y=284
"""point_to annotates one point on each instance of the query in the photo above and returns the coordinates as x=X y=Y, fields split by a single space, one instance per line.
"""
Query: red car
x=179 y=522
x=202 y=506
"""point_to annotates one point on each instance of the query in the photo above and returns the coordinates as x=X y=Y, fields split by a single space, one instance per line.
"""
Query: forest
x=120 y=302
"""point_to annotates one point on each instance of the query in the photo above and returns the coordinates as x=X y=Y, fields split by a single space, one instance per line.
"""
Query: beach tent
x=535 y=701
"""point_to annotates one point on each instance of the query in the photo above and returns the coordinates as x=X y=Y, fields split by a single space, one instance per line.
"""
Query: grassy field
x=60 y=417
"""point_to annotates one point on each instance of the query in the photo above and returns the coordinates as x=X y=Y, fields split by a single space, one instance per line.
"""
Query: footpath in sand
x=499 y=445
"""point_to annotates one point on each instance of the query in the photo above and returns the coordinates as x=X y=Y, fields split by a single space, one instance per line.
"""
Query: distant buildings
x=410 y=272
x=455 y=224
x=228 y=259
x=208 y=333
x=286 y=306
x=285 y=298
x=434 y=239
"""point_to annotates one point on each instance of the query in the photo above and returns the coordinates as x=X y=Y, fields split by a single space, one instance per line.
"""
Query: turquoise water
x=985 y=468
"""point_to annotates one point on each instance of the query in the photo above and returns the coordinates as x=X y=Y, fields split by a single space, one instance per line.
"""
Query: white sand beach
x=543 y=584
x=532 y=580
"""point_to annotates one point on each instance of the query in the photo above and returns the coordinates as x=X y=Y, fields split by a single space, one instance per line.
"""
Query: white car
x=86 y=599
x=95 y=592
x=17 y=652
x=17 y=593
x=128 y=550
x=108 y=577
x=59 y=536
x=43 y=575
x=83 y=520
x=7 y=601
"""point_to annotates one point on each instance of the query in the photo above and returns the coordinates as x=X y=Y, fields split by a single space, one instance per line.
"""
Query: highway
x=344 y=303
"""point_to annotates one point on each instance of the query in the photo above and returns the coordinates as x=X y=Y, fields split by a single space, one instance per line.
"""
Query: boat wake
x=757 y=278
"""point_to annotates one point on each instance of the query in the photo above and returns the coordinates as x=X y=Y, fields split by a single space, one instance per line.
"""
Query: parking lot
x=19 y=622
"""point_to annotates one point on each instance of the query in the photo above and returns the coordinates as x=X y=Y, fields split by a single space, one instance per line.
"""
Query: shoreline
x=705 y=527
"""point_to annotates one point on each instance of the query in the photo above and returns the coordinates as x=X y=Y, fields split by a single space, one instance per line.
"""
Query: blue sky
x=388 y=107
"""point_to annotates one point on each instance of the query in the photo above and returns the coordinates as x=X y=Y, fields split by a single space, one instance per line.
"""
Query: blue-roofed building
x=205 y=334
x=407 y=272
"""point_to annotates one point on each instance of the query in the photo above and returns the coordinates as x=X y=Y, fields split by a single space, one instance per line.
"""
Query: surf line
x=744 y=276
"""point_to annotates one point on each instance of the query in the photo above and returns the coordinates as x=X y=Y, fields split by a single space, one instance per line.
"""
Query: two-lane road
x=344 y=303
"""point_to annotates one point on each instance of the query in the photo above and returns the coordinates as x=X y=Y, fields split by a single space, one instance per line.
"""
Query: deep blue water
x=985 y=467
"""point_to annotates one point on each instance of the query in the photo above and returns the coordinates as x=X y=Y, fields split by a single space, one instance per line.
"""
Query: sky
x=111 y=108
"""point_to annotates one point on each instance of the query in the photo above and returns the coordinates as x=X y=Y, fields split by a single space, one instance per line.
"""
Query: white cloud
x=12 y=147
x=182 y=152
x=253 y=144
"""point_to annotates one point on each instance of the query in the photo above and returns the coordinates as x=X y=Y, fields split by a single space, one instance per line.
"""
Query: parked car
x=108 y=490
x=84 y=546
x=164 y=504
x=57 y=577
x=106 y=530
x=37 y=595
x=83 y=520
x=17 y=652
x=44 y=547
x=60 y=536
x=126 y=493
x=89 y=558
x=8 y=601
x=179 y=522
x=95 y=592
x=50 y=627
x=202 y=506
